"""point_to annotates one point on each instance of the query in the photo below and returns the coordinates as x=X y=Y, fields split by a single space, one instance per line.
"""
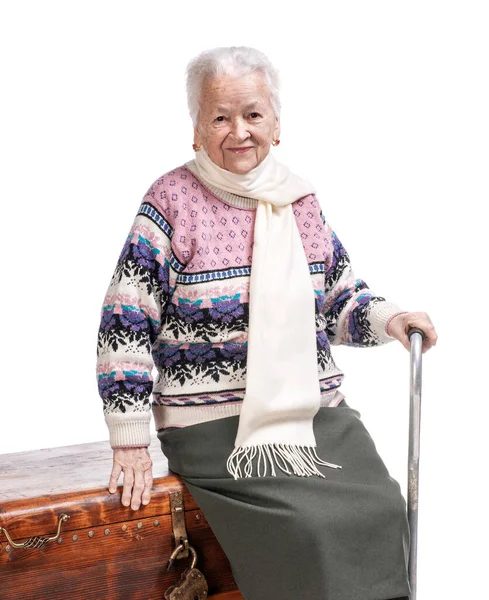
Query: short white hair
x=234 y=61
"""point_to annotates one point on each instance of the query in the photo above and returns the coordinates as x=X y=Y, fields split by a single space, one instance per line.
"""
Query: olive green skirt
x=344 y=537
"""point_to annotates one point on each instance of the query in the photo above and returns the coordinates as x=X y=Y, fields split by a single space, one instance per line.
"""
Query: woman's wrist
x=388 y=322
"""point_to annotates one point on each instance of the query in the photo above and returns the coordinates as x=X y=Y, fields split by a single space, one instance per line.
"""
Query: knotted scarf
x=282 y=385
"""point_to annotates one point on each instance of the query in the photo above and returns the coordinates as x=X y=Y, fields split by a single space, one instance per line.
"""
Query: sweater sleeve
x=355 y=315
x=130 y=322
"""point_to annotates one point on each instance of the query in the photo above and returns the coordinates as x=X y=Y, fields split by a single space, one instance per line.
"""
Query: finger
x=427 y=345
x=114 y=477
x=431 y=334
x=127 y=488
x=148 y=484
x=423 y=322
x=137 y=489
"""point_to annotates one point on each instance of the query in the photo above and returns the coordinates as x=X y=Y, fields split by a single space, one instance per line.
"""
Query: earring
x=195 y=147
x=275 y=142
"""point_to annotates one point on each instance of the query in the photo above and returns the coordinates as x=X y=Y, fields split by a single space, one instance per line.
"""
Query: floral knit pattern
x=179 y=301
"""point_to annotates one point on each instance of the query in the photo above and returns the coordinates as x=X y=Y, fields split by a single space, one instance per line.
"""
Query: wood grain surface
x=106 y=550
x=64 y=469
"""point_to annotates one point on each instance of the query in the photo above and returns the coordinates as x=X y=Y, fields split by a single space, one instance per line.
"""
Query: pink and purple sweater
x=178 y=301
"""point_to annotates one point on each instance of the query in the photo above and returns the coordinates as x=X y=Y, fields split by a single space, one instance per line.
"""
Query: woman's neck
x=228 y=197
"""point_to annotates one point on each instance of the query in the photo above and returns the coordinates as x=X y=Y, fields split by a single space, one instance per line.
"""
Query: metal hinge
x=178 y=523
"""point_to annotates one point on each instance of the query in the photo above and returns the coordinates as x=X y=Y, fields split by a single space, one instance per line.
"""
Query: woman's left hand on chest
x=400 y=325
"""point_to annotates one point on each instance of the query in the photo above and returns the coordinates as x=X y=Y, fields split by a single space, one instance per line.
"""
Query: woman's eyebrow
x=251 y=105
x=224 y=109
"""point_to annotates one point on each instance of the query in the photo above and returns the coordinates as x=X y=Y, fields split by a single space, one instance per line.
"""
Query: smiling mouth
x=240 y=150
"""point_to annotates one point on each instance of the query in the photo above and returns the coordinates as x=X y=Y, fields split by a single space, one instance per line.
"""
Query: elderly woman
x=233 y=284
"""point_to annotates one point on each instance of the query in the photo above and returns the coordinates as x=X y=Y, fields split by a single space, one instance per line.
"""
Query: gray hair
x=234 y=61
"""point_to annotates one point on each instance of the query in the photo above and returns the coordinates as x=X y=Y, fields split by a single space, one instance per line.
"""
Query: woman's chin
x=241 y=164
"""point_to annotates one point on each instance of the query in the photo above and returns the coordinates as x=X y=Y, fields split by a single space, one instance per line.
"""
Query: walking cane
x=416 y=337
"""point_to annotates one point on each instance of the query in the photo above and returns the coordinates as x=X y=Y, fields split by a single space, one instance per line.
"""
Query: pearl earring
x=275 y=142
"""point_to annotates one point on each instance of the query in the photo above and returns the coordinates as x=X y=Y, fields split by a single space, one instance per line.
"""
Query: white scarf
x=282 y=385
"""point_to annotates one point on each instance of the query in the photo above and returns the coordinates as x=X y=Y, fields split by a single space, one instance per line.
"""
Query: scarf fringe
x=289 y=458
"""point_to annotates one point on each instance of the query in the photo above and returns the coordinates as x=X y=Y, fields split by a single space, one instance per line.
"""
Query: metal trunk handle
x=36 y=541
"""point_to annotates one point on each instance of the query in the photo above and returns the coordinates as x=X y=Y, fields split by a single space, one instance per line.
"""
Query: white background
x=385 y=109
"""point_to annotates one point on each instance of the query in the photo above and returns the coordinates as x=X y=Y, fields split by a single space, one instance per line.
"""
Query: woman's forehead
x=249 y=106
x=249 y=91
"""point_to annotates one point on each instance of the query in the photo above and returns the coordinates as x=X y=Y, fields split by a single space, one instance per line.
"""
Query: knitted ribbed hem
x=228 y=197
x=183 y=416
x=380 y=316
x=129 y=430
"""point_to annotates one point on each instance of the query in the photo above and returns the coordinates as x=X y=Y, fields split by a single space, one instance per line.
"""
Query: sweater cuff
x=380 y=316
x=129 y=430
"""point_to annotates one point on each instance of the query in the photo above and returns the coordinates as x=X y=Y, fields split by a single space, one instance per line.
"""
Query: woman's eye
x=220 y=118
x=254 y=115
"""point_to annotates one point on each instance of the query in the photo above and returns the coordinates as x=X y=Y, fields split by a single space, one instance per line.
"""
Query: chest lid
x=37 y=486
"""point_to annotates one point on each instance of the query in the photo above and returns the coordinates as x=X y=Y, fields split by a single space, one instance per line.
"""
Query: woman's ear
x=276 y=130
x=197 y=137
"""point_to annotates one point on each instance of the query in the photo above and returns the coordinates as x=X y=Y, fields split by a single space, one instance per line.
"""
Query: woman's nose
x=239 y=130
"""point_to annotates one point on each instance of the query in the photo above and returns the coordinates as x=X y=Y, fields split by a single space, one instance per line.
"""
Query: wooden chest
x=104 y=549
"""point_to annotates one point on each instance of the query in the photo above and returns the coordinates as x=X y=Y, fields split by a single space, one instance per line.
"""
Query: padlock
x=192 y=585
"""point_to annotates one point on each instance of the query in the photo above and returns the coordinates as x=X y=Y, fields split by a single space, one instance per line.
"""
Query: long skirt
x=344 y=537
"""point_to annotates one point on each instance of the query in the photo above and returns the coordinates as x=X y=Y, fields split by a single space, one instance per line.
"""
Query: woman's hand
x=400 y=325
x=138 y=475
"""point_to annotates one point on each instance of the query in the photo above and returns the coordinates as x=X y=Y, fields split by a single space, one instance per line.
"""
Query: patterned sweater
x=179 y=299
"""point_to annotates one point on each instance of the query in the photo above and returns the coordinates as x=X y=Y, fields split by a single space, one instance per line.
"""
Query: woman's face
x=237 y=122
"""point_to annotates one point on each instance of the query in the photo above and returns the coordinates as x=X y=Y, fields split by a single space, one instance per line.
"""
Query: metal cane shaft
x=416 y=338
